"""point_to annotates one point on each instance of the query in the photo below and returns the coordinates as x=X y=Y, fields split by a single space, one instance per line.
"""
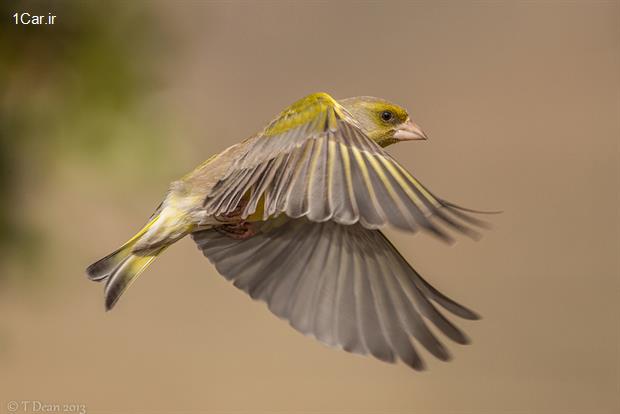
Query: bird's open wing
x=314 y=161
x=345 y=285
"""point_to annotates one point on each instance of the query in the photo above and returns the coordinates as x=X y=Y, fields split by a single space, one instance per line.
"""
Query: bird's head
x=384 y=122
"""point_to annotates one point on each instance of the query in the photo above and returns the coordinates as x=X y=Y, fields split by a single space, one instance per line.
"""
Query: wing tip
x=460 y=212
x=446 y=203
x=417 y=364
x=470 y=314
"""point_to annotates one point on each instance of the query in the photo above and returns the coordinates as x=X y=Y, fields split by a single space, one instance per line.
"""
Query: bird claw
x=232 y=216
x=237 y=231
x=228 y=218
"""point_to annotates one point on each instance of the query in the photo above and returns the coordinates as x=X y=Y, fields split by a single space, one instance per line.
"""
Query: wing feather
x=314 y=161
x=323 y=328
x=347 y=315
x=345 y=285
x=391 y=323
x=297 y=202
x=349 y=204
x=318 y=201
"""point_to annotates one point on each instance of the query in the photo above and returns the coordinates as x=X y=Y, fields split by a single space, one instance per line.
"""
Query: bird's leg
x=231 y=217
x=233 y=225
x=241 y=230
x=234 y=216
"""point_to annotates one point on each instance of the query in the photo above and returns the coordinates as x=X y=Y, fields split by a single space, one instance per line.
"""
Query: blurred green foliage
x=70 y=92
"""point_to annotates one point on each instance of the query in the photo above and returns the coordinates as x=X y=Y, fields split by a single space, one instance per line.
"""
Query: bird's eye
x=387 y=116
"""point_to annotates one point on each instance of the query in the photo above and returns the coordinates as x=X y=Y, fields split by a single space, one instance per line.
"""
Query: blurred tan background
x=100 y=111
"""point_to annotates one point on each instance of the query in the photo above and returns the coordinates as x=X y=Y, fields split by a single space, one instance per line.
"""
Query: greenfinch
x=292 y=215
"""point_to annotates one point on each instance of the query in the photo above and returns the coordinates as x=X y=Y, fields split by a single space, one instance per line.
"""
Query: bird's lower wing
x=345 y=285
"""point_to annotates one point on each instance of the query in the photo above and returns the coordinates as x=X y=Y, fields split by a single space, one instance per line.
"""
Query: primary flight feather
x=291 y=216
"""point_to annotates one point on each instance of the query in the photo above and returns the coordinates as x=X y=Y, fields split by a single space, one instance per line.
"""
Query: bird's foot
x=238 y=231
x=231 y=217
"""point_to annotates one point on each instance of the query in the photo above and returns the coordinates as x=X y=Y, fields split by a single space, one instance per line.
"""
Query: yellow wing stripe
x=331 y=159
x=371 y=191
x=388 y=185
x=302 y=112
x=317 y=149
x=332 y=119
x=413 y=196
x=420 y=187
x=300 y=164
x=344 y=152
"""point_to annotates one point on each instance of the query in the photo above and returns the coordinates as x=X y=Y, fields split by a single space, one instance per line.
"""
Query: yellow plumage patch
x=304 y=111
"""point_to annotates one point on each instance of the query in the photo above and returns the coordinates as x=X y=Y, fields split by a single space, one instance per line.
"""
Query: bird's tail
x=120 y=268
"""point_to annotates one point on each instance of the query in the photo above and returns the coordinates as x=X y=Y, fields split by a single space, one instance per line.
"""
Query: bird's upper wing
x=345 y=285
x=314 y=161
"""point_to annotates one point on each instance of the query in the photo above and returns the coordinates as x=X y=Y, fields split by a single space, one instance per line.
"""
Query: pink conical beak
x=409 y=131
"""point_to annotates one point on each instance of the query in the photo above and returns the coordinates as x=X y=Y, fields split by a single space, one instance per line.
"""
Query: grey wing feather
x=328 y=169
x=345 y=285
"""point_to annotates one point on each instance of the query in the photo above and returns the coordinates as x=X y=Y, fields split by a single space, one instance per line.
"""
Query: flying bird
x=292 y=216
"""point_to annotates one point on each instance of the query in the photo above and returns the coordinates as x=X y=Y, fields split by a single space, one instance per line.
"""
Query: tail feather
x=103 y=268
x=120 y=268
x=125 y=274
